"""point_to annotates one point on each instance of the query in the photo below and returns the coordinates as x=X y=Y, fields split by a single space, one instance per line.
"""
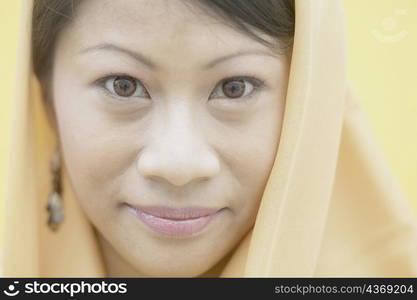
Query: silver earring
x=55 y=207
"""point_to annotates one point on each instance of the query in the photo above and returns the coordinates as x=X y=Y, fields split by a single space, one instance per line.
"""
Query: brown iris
x=234 y=88
x=124 y=86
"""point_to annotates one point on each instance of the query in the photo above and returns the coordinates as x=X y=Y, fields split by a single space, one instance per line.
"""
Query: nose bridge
x=178 y=152
x=180 y=128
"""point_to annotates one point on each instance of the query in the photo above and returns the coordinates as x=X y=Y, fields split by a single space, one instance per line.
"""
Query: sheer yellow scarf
x=330 y=207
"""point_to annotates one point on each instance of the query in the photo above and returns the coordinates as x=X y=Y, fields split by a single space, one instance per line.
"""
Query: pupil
x=234 y=89
x=124 y=87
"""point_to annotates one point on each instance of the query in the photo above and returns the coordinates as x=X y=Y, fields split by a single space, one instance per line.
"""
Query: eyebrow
x=149 y=63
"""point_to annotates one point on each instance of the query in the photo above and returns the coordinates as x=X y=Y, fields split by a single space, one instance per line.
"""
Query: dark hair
x=275 y=18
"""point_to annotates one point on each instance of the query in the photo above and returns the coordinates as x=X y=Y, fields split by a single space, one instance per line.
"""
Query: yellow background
x=382 y=47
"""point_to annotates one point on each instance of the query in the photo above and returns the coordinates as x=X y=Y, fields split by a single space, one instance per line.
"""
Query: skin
x=179 y=146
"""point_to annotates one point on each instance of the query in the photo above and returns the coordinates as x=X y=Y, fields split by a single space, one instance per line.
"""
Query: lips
x=178 y=222
x=176 y=213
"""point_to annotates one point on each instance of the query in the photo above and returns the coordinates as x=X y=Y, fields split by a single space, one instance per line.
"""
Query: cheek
x=96 y=151
x=250 y=153
x=256 y=147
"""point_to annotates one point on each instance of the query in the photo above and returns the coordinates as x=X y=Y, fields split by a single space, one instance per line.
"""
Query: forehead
x=156 y=25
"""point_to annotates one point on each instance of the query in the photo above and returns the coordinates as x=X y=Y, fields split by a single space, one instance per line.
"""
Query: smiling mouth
x=174 y=222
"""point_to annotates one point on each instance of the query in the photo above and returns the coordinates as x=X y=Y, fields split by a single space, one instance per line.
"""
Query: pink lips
x=174 y=221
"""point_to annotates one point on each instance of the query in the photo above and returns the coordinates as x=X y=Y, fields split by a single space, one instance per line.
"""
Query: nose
x=178 y=152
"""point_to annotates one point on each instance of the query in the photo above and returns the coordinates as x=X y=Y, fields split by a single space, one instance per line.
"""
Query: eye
x=125 y=86
x=236 y=87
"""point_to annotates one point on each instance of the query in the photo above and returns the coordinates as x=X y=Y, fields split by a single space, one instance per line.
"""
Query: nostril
x=146 y=166
x=178 y=173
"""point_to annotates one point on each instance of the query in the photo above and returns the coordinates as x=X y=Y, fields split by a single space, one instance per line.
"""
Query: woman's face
x=169 y=122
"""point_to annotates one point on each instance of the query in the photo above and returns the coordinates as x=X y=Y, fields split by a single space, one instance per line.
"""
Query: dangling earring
x=54 y=207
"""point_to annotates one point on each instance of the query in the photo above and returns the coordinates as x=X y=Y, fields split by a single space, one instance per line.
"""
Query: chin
x=188 y=269
x=182 y=272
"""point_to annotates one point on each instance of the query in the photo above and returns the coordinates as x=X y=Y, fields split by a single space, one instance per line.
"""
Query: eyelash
x=255 y=82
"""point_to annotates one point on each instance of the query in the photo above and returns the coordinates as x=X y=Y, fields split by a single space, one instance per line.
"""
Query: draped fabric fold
x=331 y=207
